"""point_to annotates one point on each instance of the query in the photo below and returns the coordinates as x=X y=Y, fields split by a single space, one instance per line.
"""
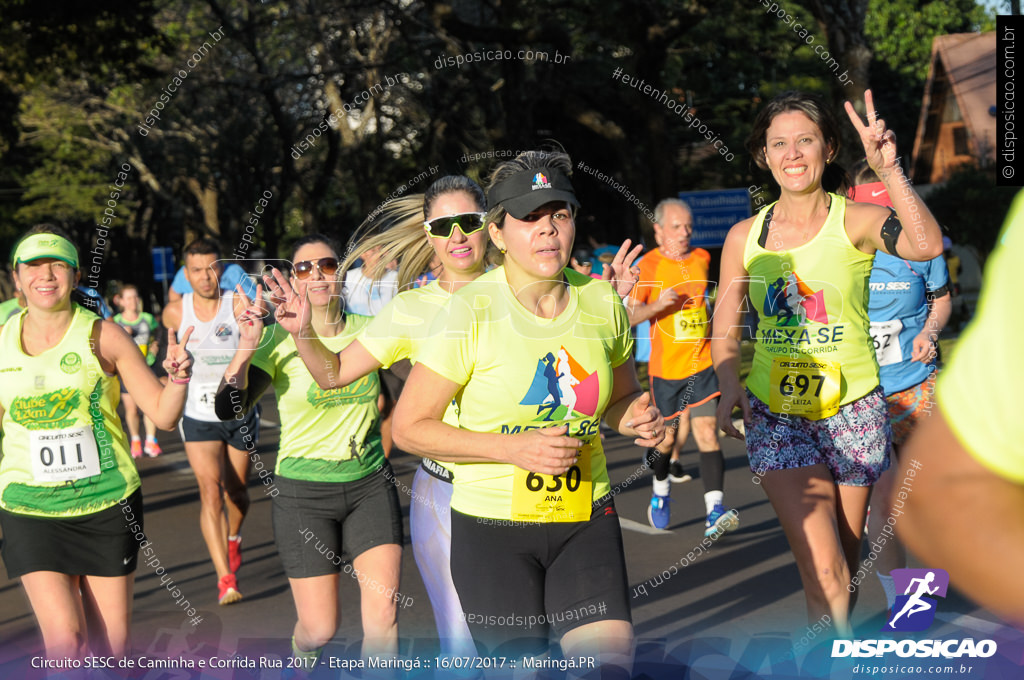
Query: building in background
x=957 y=124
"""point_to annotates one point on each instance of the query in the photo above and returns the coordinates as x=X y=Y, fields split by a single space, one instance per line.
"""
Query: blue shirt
x=232 y=275
x=598 y=267
x=898 y=310
x=641 y=331
x=93 y=301
x=642 y=346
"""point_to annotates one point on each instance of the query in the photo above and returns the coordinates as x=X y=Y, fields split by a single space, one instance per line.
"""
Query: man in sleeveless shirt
x=217 y=450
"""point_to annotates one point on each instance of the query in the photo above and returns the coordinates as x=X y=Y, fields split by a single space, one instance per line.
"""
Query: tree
x=330 y=107
x=49 y=47
x=901 y=33
x=972 y=208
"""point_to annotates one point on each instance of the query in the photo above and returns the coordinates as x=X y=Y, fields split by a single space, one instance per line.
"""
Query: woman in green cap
x=70 y=503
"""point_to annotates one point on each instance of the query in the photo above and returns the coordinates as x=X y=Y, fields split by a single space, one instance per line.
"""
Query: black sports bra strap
x=763 y=238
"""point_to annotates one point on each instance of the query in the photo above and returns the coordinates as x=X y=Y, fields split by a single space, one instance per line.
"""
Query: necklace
x=806 y=231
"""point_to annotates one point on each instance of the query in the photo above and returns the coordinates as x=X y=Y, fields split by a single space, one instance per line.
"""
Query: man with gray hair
x=673 y=294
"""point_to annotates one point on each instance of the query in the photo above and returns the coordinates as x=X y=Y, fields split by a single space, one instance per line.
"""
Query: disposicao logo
x=915 y=611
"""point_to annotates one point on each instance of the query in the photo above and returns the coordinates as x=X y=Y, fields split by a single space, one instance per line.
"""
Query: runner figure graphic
x=553 y=400
x=566 y=382
x=914 y=604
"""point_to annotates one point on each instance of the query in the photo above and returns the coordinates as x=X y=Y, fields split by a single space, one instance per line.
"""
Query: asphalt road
x=733 y=611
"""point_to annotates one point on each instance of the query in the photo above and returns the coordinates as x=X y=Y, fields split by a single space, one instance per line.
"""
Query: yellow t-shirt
x=521 y=372
x=976 y=391
x=401 y=329
x=328 y=435
x=404 y=324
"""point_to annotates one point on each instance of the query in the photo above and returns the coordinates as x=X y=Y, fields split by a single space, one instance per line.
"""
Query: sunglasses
x=328 y=266
x=444 y=227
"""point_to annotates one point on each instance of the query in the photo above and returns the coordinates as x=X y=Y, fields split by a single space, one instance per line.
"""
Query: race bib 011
x=63 y=455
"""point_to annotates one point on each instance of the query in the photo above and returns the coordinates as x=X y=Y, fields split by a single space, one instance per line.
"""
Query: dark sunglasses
x=444 y=227
x=328 y=266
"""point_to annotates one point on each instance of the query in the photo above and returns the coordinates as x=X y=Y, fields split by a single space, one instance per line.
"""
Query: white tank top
x=213 y=344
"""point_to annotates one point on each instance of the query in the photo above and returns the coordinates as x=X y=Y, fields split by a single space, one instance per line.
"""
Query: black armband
x=891 y=231
x=226 y=400
x=941 y=291
x=232 y=402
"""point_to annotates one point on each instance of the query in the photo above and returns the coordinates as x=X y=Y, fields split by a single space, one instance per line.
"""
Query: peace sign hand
x=620 y=271
x=294 y=313
x=178 y=363
x=879 y=143
x=250 y=323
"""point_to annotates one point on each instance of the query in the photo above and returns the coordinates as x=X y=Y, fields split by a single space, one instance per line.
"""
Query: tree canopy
x=331 y=107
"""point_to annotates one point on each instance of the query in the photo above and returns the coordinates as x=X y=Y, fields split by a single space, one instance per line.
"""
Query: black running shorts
x=519 y=580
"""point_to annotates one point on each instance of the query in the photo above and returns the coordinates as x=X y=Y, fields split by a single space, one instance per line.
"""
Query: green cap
x=38 y=246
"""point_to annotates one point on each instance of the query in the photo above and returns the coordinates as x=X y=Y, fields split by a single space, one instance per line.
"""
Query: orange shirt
x=679 y=335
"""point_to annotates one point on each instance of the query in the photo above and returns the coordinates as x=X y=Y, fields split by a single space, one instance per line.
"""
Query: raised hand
x=250 y=323
x=879 y=143
x=646 y=419
x=583 y=268
x=669 y=299
x=178 y=363
x=294 y=313
x=620 y=271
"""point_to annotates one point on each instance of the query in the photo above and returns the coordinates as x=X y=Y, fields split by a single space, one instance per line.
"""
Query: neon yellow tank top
x=65 y=454
x=814 y=352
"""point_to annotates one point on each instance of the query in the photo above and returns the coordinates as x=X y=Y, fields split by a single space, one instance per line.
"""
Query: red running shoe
x=227 y=590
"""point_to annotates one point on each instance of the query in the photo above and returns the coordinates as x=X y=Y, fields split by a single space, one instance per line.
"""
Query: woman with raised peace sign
x=816 y=426
x=70 y=499
x=337 y=499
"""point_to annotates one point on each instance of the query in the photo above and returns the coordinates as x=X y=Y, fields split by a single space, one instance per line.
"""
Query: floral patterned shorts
x=854 y=443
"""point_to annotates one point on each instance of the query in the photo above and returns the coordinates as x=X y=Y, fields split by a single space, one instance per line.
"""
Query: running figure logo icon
x=913 y=611
x=562 y=387
x=794 y=302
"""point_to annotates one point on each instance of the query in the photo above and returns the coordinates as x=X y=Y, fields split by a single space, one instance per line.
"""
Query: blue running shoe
x=721 y=520
x=658 y=512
